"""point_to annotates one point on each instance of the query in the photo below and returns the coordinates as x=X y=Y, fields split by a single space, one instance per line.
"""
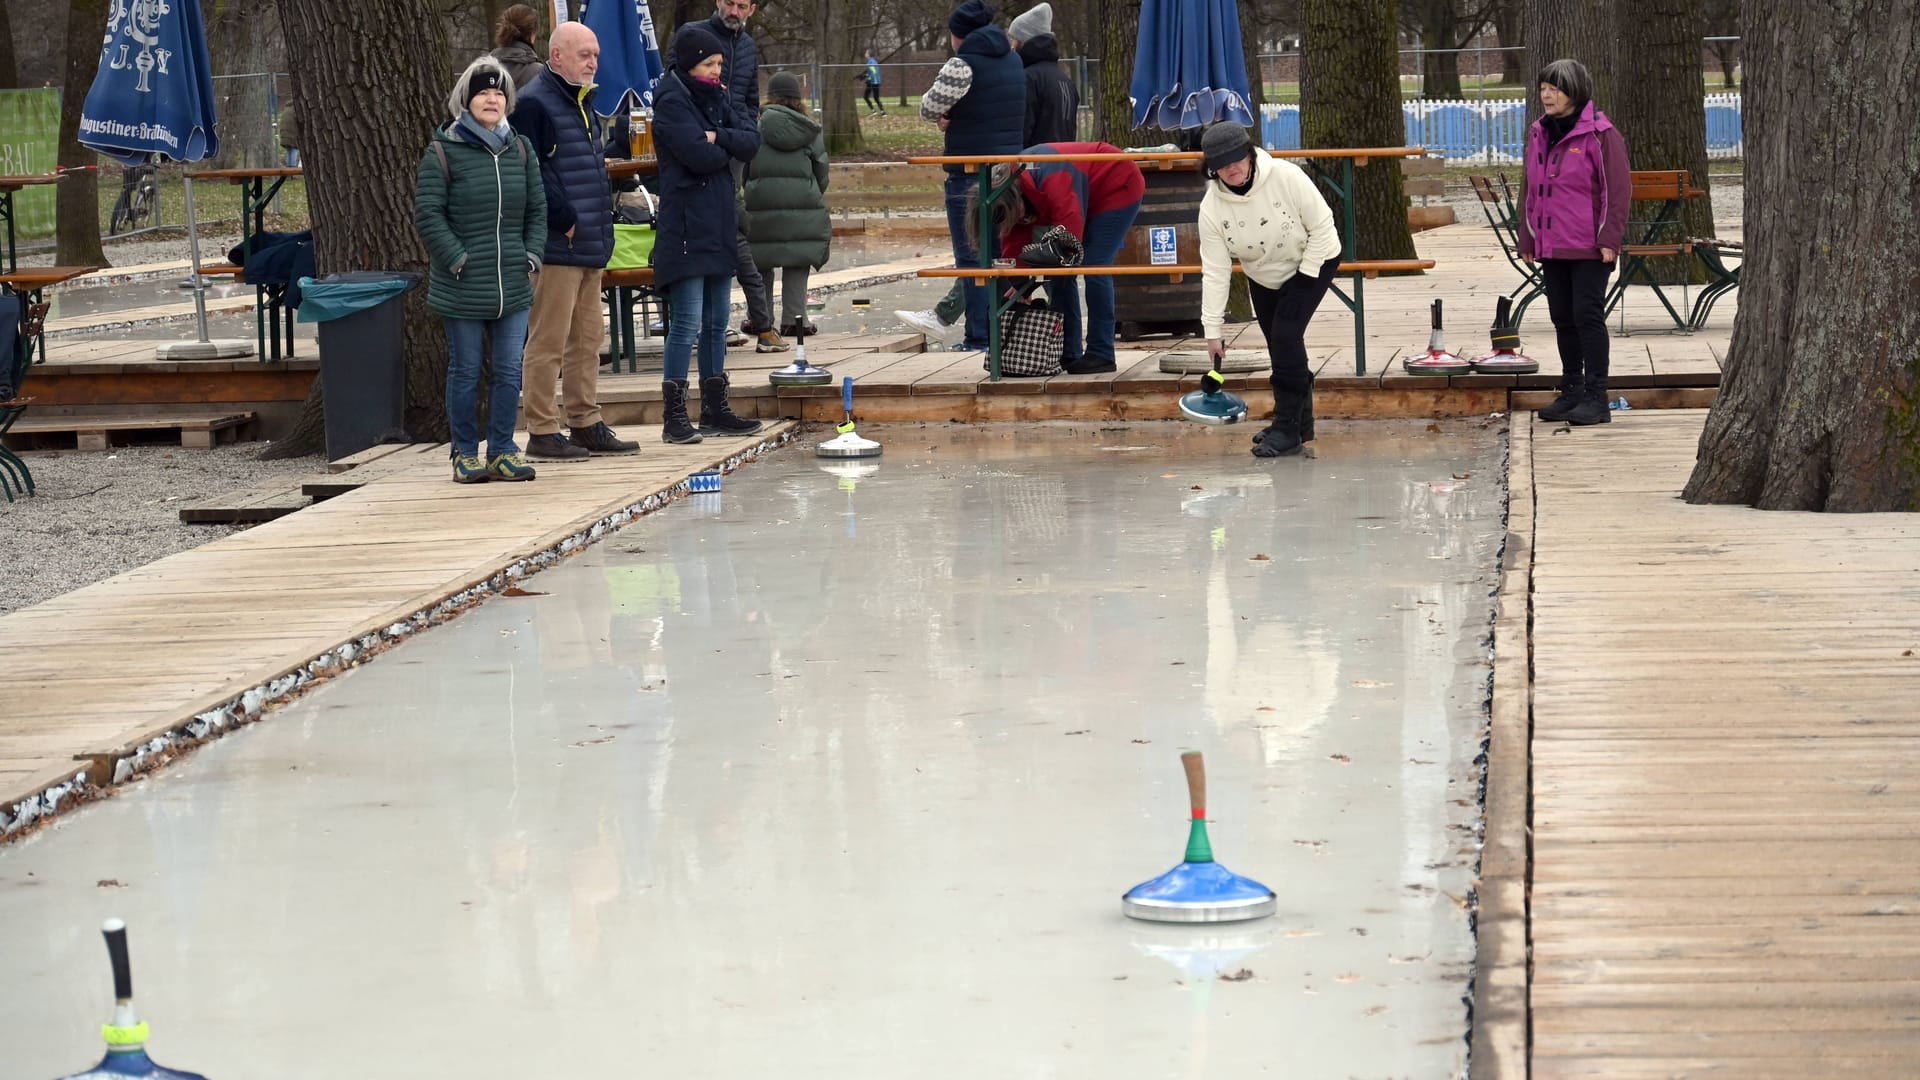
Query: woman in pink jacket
x=1573 y=217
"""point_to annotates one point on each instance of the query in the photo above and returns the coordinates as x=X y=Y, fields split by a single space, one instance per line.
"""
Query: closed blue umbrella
x=1188 y=70
x=154 y=91
x=153 y=98
x=629 y=54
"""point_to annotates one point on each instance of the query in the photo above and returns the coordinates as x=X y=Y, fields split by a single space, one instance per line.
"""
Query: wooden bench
x=197 y=430
x=1356 y=269
x=1425 y=178
x=885 y=186
x=1661 y=235
x=624 y=290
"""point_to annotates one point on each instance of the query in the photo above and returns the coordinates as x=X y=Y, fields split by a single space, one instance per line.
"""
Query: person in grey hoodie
x=1573 y=218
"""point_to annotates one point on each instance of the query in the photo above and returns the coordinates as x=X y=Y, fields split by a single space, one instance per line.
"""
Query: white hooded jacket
x=1280 y=225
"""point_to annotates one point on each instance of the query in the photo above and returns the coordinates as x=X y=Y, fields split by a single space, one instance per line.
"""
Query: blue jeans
x=1106 y=235
x=958 y=184
x=508 y=335
x=699 y=306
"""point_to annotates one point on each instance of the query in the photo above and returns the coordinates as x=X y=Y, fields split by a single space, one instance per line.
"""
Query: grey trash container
x=362 y=334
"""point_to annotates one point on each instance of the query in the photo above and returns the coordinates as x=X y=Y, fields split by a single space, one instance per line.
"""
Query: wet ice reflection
x=845 y=768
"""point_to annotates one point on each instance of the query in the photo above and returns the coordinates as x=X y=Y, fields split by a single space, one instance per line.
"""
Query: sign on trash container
x=1165 y=248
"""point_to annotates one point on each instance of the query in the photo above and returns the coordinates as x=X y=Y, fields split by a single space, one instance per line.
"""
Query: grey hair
x=457 y=101
x=1573 y=79
x=1009 y=206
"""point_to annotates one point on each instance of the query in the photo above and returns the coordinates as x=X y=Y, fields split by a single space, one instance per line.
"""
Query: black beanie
x=969 y=17
x=486 y=77
x=692 y=44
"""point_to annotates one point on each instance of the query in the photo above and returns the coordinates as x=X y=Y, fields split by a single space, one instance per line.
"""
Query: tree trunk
x=1661 y=112
x=9 y=62
x=1250 y=53
x=1574 y=29
x=360 y=175
x=1350 y=97
x=839 y=113
x=1727 y=54
x=1111 y=93
x=1510 y=26
x=1440 y=68
x=1819 y=405
x=77 y=213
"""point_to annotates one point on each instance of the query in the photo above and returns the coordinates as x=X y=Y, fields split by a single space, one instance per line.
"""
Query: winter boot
x=1592 y=407
x=1305 y=414
x=677 y=428
x=716 y=415
x=1570 y=393
x=1284 y=438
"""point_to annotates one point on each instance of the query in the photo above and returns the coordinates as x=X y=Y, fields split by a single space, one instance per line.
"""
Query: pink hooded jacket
x=1577 y=195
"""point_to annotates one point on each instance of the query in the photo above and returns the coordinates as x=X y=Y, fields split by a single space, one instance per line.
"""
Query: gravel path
x=97 y=515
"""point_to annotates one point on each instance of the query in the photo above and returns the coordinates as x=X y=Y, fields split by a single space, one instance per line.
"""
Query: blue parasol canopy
x=629 y=54
x=154 y=91
x=1188 y=70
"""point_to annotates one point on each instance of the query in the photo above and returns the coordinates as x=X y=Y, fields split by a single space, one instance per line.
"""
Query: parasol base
x=1199 y=892
x=217 y=349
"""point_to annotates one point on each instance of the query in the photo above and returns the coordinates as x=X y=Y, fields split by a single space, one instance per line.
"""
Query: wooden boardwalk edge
x=1499 y=1043
x=25 y=800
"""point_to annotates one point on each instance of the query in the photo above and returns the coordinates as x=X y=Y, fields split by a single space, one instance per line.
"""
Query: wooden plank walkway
x=92 y=674
x=1726 y=774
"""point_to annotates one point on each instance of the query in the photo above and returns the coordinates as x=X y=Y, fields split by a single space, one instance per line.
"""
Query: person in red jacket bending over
x=1096 y=202
x=1573 y=217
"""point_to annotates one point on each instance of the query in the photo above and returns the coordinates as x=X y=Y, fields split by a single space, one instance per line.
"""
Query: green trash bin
x=362 y=332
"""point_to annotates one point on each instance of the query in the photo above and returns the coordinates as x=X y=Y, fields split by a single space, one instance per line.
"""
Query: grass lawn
x=215 y=202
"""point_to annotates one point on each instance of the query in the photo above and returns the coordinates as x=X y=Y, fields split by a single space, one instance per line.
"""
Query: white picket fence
x=1491 y=132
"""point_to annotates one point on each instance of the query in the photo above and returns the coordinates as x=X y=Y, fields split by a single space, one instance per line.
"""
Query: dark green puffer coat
x=786 y=192
x=484 y=220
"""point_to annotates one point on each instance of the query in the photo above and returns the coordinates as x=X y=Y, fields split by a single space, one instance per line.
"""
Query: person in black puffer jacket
x=1053 y=105
x=698 y=137
x=787 y=203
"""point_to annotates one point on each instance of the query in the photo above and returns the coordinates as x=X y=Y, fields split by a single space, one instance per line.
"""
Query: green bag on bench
x=632 y=247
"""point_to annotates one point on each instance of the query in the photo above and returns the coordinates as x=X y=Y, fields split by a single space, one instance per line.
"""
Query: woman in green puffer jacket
x=787 y=221
x=481 y=209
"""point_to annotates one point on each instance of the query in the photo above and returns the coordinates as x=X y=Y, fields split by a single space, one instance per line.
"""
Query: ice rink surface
x=841 y=773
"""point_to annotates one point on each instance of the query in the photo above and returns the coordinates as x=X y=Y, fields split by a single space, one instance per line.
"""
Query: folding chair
x=1504 y=217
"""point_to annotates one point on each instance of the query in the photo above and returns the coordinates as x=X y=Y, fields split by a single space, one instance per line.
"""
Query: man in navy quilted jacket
x=555 y=113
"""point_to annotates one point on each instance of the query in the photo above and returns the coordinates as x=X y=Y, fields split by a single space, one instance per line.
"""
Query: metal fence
x=1489 y=131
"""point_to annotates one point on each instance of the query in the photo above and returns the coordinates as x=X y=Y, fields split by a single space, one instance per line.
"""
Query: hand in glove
x=1055 y=247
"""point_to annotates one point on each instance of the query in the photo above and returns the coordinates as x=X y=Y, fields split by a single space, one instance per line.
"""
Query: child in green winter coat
x=787 y=221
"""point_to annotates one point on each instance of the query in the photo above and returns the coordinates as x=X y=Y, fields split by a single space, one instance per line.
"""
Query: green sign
x=29 y=144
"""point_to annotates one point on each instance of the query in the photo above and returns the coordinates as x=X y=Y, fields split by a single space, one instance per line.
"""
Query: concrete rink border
x=105 y=773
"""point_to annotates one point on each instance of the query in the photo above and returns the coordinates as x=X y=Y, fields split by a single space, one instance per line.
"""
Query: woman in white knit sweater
x=1268 y=215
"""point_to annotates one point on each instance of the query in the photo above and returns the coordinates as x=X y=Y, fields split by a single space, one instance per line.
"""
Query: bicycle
x=139 y=192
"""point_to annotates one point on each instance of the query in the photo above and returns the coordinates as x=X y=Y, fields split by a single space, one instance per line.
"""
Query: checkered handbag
x=1032 y=336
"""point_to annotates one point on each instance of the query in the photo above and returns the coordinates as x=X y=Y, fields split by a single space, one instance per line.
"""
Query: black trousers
x=1576 y=301
x=1283 y=314
x=872 y=97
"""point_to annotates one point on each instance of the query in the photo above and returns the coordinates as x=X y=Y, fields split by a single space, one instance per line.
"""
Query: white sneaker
x=929 y=324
